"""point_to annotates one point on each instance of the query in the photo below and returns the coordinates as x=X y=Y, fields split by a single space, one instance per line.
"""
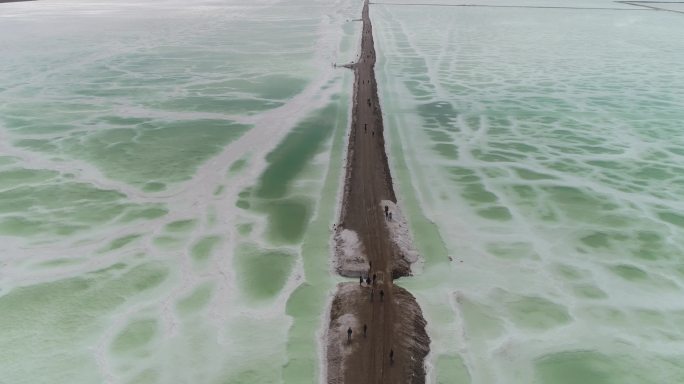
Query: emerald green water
x=536 y=155
x=168 y=176
x=74 y=311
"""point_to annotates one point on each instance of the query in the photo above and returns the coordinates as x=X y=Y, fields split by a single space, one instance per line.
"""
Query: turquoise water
x=168 y=175
x=538 y=154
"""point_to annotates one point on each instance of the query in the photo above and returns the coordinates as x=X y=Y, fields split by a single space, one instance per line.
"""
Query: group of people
x=388 y=214
x=370 y=281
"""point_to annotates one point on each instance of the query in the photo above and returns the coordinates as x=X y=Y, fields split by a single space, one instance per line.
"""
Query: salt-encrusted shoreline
x=406 y=255
x=349 y=259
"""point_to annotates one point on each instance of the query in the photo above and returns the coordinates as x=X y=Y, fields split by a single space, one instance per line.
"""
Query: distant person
x=365 y=330
x=391 y=356
x=386 y=210
x=368 y=281
x=374 y=277
x=360 y=280
x=349 y=333
x=382 y=294
x=390 y=216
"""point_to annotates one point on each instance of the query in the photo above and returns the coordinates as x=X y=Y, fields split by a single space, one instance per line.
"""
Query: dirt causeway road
x=395 y=323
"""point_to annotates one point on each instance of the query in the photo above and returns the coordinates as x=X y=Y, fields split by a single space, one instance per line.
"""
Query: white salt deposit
x=349 y=259
x=549 y=169
x=83 y=69
x=400 y=235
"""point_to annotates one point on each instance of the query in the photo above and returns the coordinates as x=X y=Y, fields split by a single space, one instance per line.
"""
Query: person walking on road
x=382 y=295
x=349 y=333
x=360 y=280
x=365 y=330
x=391 y=356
